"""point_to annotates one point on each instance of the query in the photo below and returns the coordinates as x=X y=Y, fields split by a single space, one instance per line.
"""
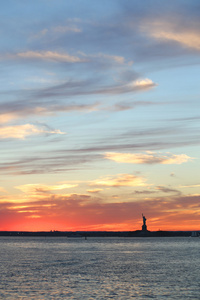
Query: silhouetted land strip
x=80 y=234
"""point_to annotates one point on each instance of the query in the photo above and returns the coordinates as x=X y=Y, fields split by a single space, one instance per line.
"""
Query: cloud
x=7 y=117
x=20 y=110
x=172 y=31
x=190 y=186
x=48 y=162
x=144 y=192
x=168 y=190
x=109 y=59
x=42 y=188
x=115 y=58
x=154 y=139
x=22 y=131
x=103 y=57
x=157 y=190
x=74 y=159
x=119 y=181
x=132 y=86
x=57 y=98
x=142 y=83
x=91 y=59
x=91 y=87
x=94 y=191
x=55 y=31
x=122 y=106
x=49 y=55
x=148 y=158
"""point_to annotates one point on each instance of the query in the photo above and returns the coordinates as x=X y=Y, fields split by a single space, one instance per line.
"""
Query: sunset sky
x=100 y=115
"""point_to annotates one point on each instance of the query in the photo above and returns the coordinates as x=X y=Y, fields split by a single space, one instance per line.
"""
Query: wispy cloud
x=190 y=186
x=59 y=29
x=49 y=55
x=94 y=191
x=132 y=86
x=119 y=180
x=81 y=57
x=42 y=188
x=103 y=57
x=22 y=131
x=144 y=192
x=122 y=106
x=165 y=189
x=48 y=162
x=21 y=110
x=172 y=31
x=148 y=158
x=92 y=87
x=150 y=192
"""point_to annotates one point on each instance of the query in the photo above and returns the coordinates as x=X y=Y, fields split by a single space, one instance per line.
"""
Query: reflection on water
x=99 y=268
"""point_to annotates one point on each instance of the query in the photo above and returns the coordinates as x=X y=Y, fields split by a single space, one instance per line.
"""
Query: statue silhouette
x=144 y=226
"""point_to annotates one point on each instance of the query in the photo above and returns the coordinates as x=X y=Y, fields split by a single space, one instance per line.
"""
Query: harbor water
x=99 y=268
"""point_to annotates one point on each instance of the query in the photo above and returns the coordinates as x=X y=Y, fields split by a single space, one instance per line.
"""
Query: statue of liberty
x=144 y=226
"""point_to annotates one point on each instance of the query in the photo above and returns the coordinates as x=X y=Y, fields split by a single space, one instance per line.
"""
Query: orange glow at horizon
x=83 y=212
x=36 y=223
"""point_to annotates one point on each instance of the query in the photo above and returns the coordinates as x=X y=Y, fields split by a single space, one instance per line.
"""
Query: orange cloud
x=148 y=158
x=17 y=207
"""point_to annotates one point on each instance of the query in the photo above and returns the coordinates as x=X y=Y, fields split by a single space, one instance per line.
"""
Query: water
x=99 y=268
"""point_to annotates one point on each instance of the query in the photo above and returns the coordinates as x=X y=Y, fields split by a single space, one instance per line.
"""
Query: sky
x=99 y=115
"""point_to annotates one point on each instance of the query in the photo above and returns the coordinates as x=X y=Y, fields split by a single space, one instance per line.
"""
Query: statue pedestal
x=144 y=227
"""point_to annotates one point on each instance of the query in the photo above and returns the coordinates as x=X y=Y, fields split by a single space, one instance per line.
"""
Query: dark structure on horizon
x=144 y=226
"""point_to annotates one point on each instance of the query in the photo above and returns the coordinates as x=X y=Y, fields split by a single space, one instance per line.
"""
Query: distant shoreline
x=137 y=233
